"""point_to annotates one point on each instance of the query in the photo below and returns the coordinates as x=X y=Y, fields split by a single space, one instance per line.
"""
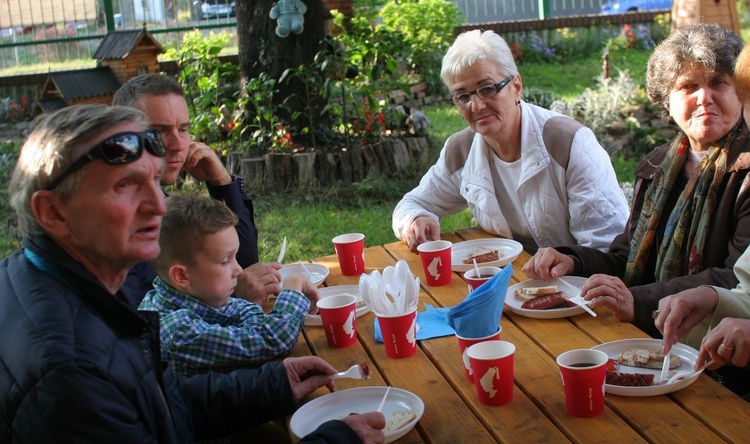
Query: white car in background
x=216 y=9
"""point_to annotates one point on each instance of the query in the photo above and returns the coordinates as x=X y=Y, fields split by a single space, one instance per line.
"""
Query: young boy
x=202 y=327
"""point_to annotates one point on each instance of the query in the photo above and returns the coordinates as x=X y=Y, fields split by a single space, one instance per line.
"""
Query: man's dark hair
x=146 y=84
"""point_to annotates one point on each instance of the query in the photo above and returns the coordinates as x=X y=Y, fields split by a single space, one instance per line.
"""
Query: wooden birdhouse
x=693 y=12
x=79 y=87
x=129 y=53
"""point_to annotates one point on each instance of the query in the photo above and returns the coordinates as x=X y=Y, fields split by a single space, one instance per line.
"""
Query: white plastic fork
x=689 y=373
x=309 y=275
x=581 y=302
x=354 y=372
x=578 y=300
x=382 y=402
x=665 y=366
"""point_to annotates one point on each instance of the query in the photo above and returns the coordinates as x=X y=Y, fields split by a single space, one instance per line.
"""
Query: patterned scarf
x=681 y=250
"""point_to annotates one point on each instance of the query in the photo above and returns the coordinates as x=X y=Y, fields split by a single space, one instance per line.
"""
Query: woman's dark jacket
x=729 y=235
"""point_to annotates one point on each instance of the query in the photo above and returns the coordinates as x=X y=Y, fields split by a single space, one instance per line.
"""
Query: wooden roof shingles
x=85 y=83
x=117 y=45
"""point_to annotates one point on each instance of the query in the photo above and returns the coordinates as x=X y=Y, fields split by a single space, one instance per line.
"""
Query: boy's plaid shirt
x=197 y=338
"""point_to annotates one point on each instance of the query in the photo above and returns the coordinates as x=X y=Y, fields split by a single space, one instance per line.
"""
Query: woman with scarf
x=690 y=217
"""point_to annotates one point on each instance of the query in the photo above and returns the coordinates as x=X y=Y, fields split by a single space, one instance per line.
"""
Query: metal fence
x=487 y=11
x=46 y=31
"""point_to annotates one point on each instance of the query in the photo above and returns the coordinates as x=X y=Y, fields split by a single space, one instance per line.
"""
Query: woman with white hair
x=525 y=172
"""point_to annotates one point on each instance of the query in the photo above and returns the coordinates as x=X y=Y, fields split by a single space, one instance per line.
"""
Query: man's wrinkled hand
x=203 y=164
x=368 y=426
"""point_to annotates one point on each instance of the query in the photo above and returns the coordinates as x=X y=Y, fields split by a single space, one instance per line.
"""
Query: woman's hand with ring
x=611 y=292
x=728 y=342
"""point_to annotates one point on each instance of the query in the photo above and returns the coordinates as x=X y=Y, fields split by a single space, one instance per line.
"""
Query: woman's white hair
x=474 y=45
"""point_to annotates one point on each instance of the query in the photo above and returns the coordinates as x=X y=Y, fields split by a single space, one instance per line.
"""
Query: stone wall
x=342 y=168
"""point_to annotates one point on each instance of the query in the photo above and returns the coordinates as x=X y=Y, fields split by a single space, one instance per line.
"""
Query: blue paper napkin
x=433 y=323
x=479 y=314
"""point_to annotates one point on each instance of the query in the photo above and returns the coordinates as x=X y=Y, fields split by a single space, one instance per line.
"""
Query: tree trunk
x=261 y=50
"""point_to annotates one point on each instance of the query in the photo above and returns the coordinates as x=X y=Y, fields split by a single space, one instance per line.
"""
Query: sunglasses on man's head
x=116 y=150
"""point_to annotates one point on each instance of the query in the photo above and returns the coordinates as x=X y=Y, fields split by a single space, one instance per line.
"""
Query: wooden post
x=693 y=12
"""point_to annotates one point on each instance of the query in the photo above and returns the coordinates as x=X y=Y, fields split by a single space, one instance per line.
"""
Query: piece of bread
x=647 y=358
x=398 y=420
x=482 y=254
x=528 y=293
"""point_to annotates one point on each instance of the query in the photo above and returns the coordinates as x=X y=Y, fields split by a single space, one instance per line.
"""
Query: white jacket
x=582 y=204
x=733 y=303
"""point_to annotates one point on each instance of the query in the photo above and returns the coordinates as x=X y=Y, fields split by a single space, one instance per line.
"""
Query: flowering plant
x=629 y=38
x=516 y=50
x=282 y=140
x=535 y=49
x=369 y=127
x=14 y=111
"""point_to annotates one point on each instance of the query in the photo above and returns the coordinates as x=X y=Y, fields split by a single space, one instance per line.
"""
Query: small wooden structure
x=79 y=87
x=121 y=56
x=693 y=12
x=129 y=53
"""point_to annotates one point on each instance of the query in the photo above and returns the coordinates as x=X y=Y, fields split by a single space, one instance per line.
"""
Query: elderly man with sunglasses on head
x=78 y=363
x=163 y=101
x=526 y=173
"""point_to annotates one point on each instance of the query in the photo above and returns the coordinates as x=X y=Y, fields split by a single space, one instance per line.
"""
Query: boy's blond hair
x=189 y=219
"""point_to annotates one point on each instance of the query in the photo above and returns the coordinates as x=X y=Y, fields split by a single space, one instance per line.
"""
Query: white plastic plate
x=356 y=400
x=513 y=303
x=319 y=272
x=460 y=250
x=324 y=292
x=687 y=354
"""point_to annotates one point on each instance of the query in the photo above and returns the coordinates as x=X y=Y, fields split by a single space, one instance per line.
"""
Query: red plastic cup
x=485 y=274
x=492 y=362
x=583 y=375
x=436 y=262
x=399 y=334
x=339 y=319
x=350 y=249
x=465 y=343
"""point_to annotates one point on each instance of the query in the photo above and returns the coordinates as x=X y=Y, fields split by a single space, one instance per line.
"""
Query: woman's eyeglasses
x=118 y=149
x=485 y=92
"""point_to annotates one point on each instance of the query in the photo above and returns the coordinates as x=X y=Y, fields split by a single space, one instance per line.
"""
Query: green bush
x=599 y=107
x=540 y=97
x=426 y=30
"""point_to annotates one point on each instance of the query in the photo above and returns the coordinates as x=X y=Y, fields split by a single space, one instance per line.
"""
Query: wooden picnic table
x=704 y=411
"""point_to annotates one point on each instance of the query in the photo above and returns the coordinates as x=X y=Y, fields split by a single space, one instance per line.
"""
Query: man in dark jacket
x=79 y=364
x=163 y=101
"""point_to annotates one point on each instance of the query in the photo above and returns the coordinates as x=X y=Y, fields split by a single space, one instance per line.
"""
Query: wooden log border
x=342 y=168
